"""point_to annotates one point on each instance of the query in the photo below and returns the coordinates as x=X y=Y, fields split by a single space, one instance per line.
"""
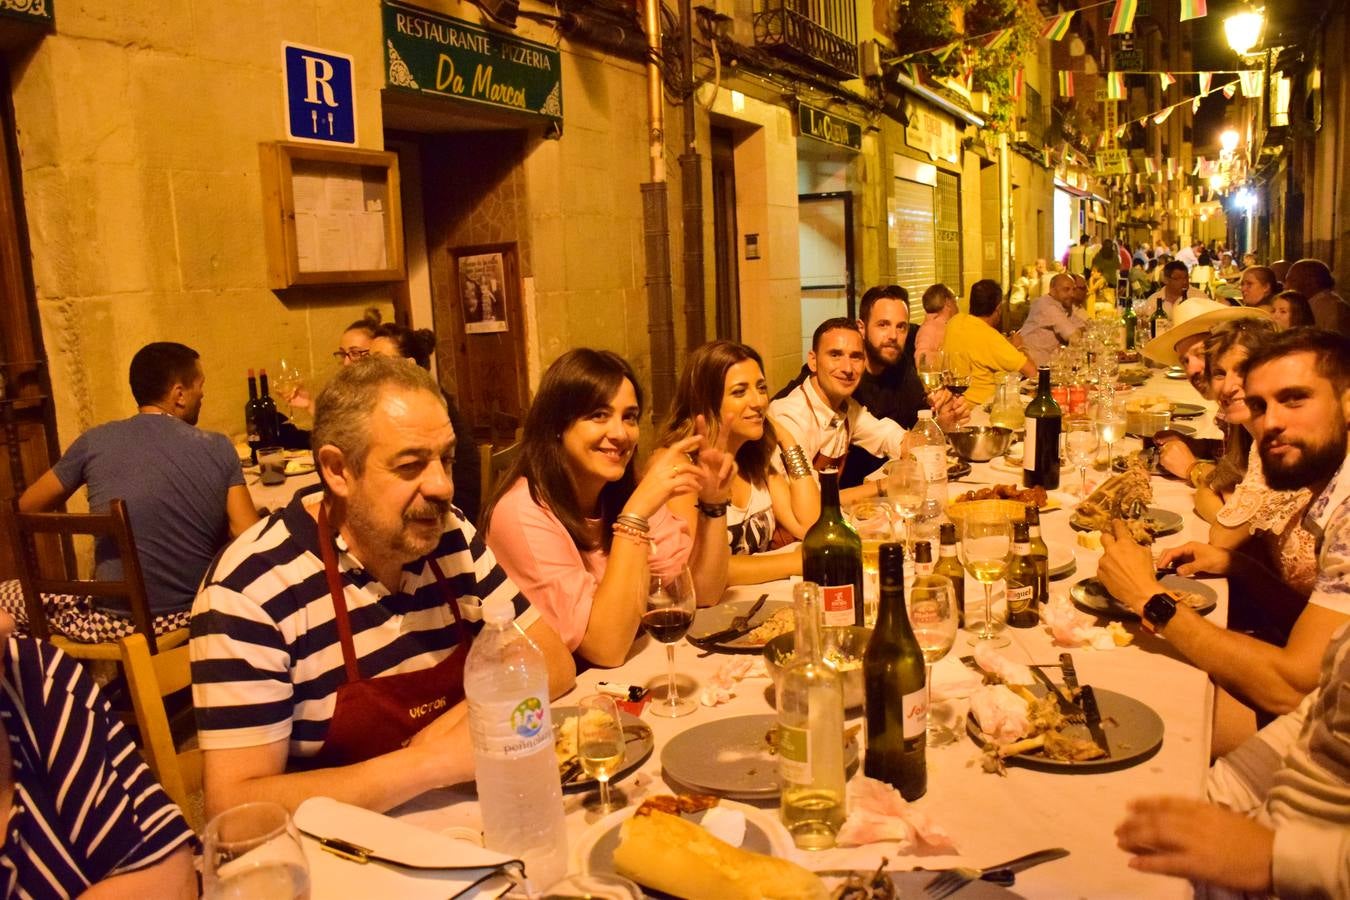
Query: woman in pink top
x=939 y=305
x=574 y=527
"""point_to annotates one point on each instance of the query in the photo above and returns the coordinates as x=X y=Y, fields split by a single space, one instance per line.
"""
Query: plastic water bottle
x=506 y=683
x=929 y=446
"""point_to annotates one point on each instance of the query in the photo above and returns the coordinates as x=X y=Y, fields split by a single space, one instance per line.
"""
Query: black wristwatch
x=712 y=510
x=1158 y=611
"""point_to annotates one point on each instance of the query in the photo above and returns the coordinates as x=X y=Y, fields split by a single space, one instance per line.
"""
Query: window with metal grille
x=947 y=235
x=915 y=256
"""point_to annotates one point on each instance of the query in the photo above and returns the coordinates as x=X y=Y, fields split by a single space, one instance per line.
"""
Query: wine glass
x=986 y=541
x=670 y=611
x=600 y=748
x=254 y=850
x=1080 y=445
x=1110 y=421
x=907 y=488
x=933 y=615
x=872 y=520
x=290 y=387
x=958 y=372
x=932 y=366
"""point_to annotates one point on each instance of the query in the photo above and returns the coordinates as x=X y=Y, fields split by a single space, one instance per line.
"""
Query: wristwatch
x=1158 y=611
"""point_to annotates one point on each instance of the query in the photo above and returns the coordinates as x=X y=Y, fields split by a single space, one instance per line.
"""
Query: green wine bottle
x=1130 y=321
x=893 y=682
x=1040 y=553
x=1040 y=453
x=832 y=558
x=951 y=567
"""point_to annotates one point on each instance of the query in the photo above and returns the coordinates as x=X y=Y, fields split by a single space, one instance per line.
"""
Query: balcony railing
x=819 y=34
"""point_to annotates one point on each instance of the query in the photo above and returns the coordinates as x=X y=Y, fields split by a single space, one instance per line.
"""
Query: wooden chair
x=114 y=524
x=151 y=679
x=1202 y=277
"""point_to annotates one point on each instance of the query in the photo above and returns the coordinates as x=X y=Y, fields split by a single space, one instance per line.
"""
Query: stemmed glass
x=600 y=748
x=872 y=521
x=986 y=540
x=290 y=387
x=907 y=488
x=958 y=372
x=932 y=366
x=1110 y=421
x=669 y=613
x=253 y=850
x=933 y=615
x=1080 y=445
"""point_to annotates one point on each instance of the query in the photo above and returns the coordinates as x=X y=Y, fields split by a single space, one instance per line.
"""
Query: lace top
x=1276 y=517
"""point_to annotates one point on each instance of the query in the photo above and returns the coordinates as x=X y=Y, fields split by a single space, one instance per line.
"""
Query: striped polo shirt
x=266 y=660
x=85 y=805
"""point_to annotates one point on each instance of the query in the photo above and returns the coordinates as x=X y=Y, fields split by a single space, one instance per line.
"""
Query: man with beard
x=328 y=642
x=1051 y=323
x=183 y=488
x=1298 y=393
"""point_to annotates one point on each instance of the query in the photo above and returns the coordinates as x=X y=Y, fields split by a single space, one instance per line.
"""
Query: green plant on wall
x=926 y=24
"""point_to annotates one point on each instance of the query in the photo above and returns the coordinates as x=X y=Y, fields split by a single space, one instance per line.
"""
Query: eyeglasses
x=353 y=354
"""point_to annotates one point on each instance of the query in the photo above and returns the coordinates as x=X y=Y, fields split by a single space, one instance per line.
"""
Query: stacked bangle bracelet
x=794 y=461
x=634 y=521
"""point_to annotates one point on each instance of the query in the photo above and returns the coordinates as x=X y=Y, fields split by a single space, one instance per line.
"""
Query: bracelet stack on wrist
x=713 y=510
x=634 y=521
x=633 y=528
x=794 y=461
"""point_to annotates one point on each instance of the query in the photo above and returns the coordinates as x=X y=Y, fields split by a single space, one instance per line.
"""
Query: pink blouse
x=557 y=578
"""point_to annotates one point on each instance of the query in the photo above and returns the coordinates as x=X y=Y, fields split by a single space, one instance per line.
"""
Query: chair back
x=151 y=678
x=501 y=461
x=115 y=525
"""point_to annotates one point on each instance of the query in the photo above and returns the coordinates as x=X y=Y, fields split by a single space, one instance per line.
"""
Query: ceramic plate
x=958 y=470
x=1165 y=522
x=637 y=747
x=1062 y=561
x=1176 y=374
x=1179 y=428
x=712 y=619
x=730 y=758
x=1090 y=595
x=1187 y=410
x=1133 y=378
x=1134 y=732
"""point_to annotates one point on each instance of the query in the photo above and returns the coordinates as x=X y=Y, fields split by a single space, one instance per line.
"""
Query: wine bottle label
x=1029 y=447
x=1021 y=549
x=934 y=462
x=1020 y=597
x=915 y=706
x=922 y=570
x=947 y=550
x=794 y=755
x=837 y=604
x=510 y=729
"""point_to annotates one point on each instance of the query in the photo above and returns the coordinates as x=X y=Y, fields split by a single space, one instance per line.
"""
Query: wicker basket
x=1012 y=510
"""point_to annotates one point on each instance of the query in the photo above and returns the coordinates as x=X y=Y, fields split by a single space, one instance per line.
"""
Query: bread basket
x=1012 y=510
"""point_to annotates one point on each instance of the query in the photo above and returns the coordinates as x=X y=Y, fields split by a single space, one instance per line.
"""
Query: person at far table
x=83 y=816
x=1291 y=310
x=183 y=488
x=1176 y=288
x=1297 y=389
x=1050 y=323
x=976 y=334
x=1258 y=285
x=329 y=640
x=1313 y=279
x=577 y=529
x=723 y=382
x=939 y=305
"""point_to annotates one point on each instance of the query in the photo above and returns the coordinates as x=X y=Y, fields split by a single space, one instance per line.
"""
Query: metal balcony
x=818 y=34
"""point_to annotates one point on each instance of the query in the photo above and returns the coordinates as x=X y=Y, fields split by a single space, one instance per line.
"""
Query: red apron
x=375 y=716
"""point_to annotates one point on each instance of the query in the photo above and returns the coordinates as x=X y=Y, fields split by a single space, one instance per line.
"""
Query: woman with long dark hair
x=575 y=527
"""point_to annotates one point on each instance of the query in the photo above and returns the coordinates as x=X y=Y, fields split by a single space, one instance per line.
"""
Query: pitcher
x=1006 y=411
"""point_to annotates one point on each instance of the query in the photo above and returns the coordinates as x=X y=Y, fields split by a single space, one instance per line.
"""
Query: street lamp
x=1229 y=141
x=1243 y=30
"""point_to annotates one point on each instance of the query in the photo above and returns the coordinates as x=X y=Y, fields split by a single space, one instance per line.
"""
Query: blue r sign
x=320 y=100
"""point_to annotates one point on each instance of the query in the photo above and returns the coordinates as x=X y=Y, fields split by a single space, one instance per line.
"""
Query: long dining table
x=991 y=818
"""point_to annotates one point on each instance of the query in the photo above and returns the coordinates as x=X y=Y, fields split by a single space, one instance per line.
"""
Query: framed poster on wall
x=486 y=279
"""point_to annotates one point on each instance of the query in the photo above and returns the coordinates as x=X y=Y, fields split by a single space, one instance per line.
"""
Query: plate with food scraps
x=1133 y=731
x=774 y=618
x=1134 y=376
x=732 y=758
x=1187 y=410
x=1092 y=596
x=1053 y=499
x=638 y=745
x=1187 y=430
x=1161 y=522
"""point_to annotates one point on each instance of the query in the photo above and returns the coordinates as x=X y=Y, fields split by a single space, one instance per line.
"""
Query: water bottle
x=929 y=446
x=506 y=683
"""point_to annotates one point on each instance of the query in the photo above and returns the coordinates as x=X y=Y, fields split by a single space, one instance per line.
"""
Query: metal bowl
x=839 y=643
x=980 y=443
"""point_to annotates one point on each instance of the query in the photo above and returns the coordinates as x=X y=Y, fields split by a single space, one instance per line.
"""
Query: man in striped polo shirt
x=328 y=642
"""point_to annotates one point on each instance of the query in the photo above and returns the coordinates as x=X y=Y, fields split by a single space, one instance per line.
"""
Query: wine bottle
x=1040 y=553
x=1157 y=323
x=269 y=421
x=1020 y=579
x=1040 y=454
x=251 y=417
x=923 y=560
x=949 y=566
x=832 y=558
x=893 y=681
x=1130 y=321
x=810 y=733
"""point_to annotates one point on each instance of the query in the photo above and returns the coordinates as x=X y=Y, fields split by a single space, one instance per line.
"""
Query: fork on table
x=952 y=880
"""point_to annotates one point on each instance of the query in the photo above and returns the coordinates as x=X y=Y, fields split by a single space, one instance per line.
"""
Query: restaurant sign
x=1112 y=162
x=931 y=133
x=38 y=12
x=438 y=56
x=823 y=126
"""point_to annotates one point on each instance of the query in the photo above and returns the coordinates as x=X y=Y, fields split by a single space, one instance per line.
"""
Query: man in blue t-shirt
x=183 y=488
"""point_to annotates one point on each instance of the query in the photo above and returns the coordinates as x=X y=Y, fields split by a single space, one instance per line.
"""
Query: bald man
x=1312 y=279
x=1050 y=322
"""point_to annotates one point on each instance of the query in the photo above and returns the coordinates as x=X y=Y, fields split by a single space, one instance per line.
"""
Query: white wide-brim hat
x=1195 y=315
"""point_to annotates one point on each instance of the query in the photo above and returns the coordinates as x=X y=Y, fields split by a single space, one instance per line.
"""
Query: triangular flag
x=1115 y=85
x=998 y=39
x=1251 y=82
x=1166 y=79
x=1150 y=166
x=1019 y=83
x=946 y=51
x=1193 y=9
x=1205 y=79
x=912 y=70
x=1066 y=84
x=1230 y=89
x=1057 y=27
x=1195 y=106
x=1161 y=117
x=1122 y=20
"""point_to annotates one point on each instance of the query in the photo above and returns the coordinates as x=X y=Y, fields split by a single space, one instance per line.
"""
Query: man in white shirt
x=1189 y=255
x=1176 y=287
x=1050 y=323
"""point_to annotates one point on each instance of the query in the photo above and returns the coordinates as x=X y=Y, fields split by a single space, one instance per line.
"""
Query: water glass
x=253 y=851
x=1080 y=445
x=933 y=616
x=907 y=488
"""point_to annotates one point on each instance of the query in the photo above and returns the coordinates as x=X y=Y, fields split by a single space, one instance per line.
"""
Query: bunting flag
x=1171 y=167
x=1066 y=84
x=1115 y=85
x=1193 y=9
x=1162 y=116
x=1101 y=140
x=1150 y=166
x=912 y=70
x=1251 y=82
x=946 y=51
x=998 y=39
x=1230 y=89
x=1195 y=105
x=1205 y=79
x=1122 y=20
x=1166 y=80
x=1019 y=83
x=1057 y=27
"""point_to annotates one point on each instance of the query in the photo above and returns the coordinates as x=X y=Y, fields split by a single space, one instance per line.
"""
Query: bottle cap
x=947 y=533
x=498 y=611
x=923 y=552
x=925 y=414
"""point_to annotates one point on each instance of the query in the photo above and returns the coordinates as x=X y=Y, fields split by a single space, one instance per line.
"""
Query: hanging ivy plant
x=994 y=68
x=926 y=24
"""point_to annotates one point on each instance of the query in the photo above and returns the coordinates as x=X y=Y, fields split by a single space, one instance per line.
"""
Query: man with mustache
x=1298 y=393
x=1051 y=322
x=328 y=642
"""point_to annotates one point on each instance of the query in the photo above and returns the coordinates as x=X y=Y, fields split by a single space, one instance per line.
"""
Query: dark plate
x=1091 y=596
x=958 y=470
x=1134 y=732
x=712 y=619
x=1187 y=410
x=1179 y=429
x=1133 y=379
x=635 y=752
x=1120 y=462
x=1165 y=521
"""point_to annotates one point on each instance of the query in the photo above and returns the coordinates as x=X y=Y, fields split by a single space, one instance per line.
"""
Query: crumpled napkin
x=953 y=680
x=877 y=812
x=722 y=686
x=1002 y=715
x=990 y=660
x=1071 y=628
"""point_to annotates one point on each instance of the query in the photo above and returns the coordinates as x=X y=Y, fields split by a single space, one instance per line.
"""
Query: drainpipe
x=1004 y=220
x=691 y=192
x=656 y=228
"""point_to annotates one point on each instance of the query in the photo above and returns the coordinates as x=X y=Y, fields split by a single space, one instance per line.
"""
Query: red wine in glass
x=667 y=625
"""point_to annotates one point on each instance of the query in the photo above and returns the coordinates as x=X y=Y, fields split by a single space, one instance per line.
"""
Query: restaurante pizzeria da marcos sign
x=438 y=56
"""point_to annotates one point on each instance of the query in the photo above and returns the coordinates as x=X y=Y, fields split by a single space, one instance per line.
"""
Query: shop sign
x=931 y=133
x=823 y=126
x=320 y=100
x=35 y=11
x=438 y=56
x=1127 y=60
x=1112 y=162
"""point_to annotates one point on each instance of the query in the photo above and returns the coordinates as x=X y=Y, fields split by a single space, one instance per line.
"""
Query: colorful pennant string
x=1251 y=82
x=1122 y=19
x=1057 y=27
x=1115 y=85
x=1166 y=80
x=1066 y=84
x=1193 y=9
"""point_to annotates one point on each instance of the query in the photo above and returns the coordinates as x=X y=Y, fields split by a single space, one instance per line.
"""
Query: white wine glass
x=290 y=387
x=669 y=613
x=932 y=367
x=933 y=617
x=600 y=749
x=873 y=520
x=254 y=851
x=1110 y=422
x=907 y=489
x=986 y=541
x=1081 y=441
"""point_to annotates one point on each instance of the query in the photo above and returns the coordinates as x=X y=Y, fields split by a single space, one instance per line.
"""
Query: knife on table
x=1087 y=699
x=740 y=626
